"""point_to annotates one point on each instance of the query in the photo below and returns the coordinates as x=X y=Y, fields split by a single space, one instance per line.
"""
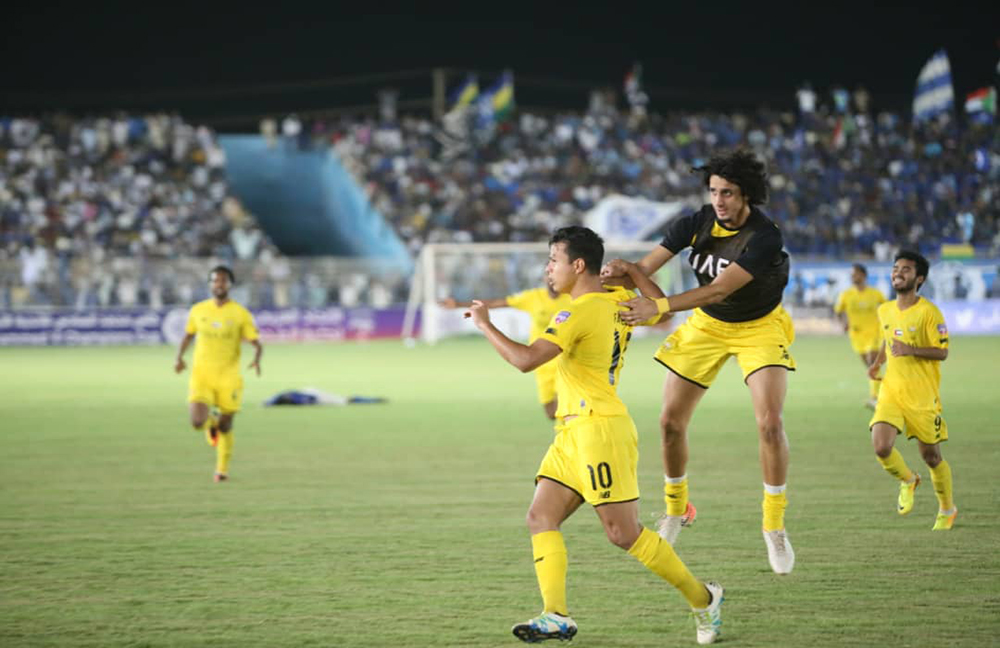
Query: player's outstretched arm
x=649 y=264
x=179 y=364
x=451 y=302
x=729 y=281
x=258 y=351
x=525 y=358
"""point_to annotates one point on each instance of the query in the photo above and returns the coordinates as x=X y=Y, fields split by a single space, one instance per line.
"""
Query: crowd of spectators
x=93 y=190
x=844 y=183
x=115 y=196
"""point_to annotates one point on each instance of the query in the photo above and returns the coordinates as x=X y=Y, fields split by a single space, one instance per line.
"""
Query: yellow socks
x=551 y=565
x=675 y=493
x=657 y=555
x=941 y=477
x=896 y=466
x=224 y=452
x=773 y=507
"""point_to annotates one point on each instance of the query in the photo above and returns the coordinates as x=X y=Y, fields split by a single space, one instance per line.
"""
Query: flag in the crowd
x=844 y=129
x=633 y=88
x=934 y=94
x=497 y=102
x=982 y=104
x=466 y=93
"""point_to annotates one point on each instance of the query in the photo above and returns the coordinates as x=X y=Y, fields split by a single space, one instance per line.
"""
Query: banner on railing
x=127 y=327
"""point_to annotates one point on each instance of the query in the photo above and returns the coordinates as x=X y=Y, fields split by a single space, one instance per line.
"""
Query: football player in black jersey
x=736 y=254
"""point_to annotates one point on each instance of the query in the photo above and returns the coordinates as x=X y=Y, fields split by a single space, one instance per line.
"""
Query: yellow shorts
x=545 y=377
x=700 y=346
x=925 y=424
x=222 y=391
x=865 y=340
x=596 y=457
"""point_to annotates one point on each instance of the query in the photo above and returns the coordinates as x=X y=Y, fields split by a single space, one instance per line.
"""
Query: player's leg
x=621 y=524
x=201 y=397
x=768 y=386
x=224 y=449
x=680 y=398
x=940 y=473
x=552 y=504
x=873 y=385
x=230 y=400
x=886 y=423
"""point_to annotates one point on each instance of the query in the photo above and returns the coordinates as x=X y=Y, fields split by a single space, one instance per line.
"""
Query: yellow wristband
x=662 y=305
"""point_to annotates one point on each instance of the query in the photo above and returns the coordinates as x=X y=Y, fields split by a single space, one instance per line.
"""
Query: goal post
x=466 y=271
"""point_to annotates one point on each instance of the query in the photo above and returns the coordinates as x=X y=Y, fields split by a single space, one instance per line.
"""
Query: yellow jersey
x=861 y=307
x=537 y=303
x=915 y=382
x=593 y=339
x=219 y=330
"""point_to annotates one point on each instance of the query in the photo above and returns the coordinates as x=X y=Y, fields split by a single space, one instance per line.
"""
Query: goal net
x=466 y=271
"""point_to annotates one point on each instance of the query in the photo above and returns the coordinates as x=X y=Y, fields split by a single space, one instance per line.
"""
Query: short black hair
x=742 y=168
x=581 y=243
x=923 y=266
x=222 y=268
x=860 y=268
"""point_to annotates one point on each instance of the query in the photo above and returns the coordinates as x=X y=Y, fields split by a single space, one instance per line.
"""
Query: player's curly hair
x=581 y=243
x=742 y=168
x=222 y=268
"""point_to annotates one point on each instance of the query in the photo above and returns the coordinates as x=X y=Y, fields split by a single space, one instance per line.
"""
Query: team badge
x=562 y=316
x=942 y=329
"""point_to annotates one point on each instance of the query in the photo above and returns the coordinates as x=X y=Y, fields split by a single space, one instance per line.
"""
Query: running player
x=737 y=256
x=857 y=308
x=220 y=325
x=909 y=401
x=594 y=455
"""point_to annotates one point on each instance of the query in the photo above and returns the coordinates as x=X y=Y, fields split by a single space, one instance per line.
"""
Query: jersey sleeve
x=680 y=233
x=761 y=250
x=190 y=328
x=563 y=329
x=936 y=329
x=249 y=330
x=521 y=300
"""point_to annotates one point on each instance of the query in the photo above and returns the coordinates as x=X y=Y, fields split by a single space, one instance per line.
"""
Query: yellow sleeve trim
x=662 y=305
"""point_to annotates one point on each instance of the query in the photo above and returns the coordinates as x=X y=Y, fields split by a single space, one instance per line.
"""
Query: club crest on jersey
x=562 y=316
x=708 y=264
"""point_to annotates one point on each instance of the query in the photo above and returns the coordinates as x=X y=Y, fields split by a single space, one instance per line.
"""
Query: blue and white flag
x=934 y=94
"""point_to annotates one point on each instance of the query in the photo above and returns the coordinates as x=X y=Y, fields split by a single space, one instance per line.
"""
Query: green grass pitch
x=403 y=524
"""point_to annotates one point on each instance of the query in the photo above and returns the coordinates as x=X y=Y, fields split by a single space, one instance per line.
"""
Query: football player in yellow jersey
x=916 y=339
x=857 y=308
x=541 y=304
x=594 y=455
x=220 y=325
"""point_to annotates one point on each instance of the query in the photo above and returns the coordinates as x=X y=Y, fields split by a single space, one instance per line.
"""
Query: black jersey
x=756 y=247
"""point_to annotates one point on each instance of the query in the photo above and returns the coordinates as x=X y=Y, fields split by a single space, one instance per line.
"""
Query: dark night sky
x=209 y=62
